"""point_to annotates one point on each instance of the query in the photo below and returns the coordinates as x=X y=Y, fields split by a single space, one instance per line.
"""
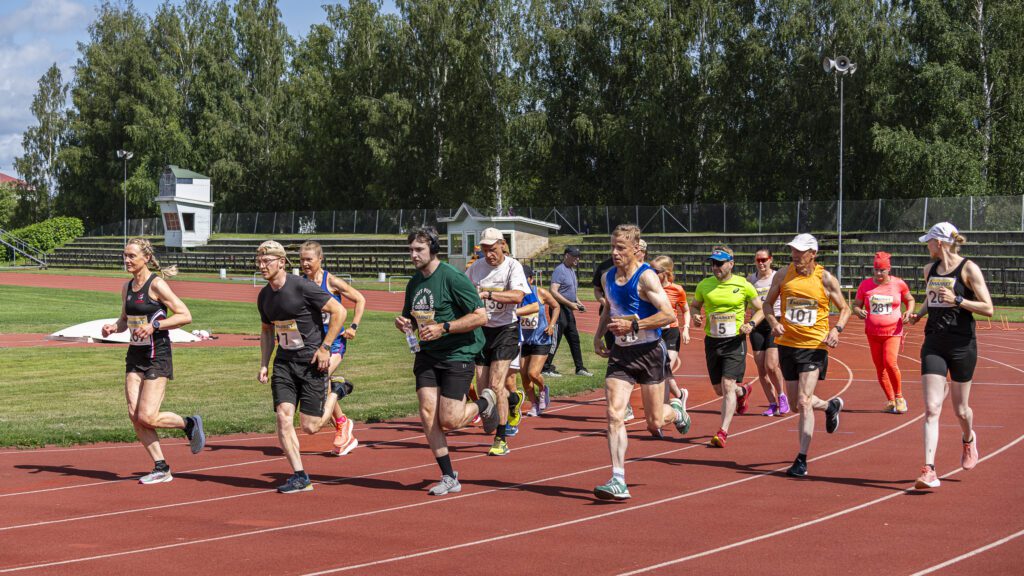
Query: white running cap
x=804 y=242
x=943 y=231
x=490 y=236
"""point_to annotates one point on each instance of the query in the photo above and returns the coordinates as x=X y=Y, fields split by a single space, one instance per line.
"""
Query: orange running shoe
x=928 y=479
x=344 y=441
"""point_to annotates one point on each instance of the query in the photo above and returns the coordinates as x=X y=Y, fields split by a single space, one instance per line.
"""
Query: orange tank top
x=677 y=299
x=805 y=307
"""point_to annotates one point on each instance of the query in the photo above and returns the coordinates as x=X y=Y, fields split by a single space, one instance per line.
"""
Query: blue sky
x=36 y=33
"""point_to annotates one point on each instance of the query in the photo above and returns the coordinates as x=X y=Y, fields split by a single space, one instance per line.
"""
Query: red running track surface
x=694 y=509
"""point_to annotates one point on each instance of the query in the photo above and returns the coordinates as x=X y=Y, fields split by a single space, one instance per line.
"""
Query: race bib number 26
x=932 y=295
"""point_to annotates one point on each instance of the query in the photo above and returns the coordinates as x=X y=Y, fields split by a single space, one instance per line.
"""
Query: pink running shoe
x=928 y=479
x=969 y=459
x=783 y=404
x=772 y=410
x=344 y=440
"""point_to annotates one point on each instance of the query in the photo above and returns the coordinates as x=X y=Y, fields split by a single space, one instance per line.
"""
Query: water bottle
x=414 y=342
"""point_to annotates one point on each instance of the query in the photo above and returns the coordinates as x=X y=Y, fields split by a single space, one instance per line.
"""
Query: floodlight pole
x=839 y=267
x=126 y=155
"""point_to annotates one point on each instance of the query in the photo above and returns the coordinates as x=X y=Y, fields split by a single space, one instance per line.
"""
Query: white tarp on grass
x=93 y=332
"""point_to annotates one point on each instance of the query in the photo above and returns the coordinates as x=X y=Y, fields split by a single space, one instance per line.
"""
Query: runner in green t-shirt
x=726 y=298
x=444 y=307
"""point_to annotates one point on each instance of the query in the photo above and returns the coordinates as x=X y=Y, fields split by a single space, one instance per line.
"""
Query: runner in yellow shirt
x=726 y=298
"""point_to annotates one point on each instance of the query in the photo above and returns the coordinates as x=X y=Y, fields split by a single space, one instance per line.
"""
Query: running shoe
x=511 y=430
x=545 y=399
x=657 y=434
x=718 y=440
x=798 y=469
x=969 y=459
x=157 y=476
x=901 y=405
x=584 y=372
x=532 y=412
x=197 y=439
x=499 y=448
x=684 y=395
x=489 y=417
x=835 y=406
x=890 y=407
x=783 y=404
x=476 y=420
x=342 y=431
x=629 y=413
x=614 y=489
x=447 y=485
x=341 y=386
x=515 y=408
x=772 y=410
x=741 y=402
x=296 y=483
x=682 y=420
x=552 y=374
x=348 y=442
x=928 y=479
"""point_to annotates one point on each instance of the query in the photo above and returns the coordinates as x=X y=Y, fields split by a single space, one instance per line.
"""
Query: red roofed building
x=5 y=179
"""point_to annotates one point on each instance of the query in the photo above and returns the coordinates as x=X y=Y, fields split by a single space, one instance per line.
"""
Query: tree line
x=502 y=102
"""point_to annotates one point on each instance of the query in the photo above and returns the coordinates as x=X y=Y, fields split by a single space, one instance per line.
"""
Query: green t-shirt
x=445 y=296
x=725 y=303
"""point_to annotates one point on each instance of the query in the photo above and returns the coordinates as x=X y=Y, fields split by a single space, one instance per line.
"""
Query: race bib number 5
x=934 y=284
x=801 y=311
x=881 y=304
x=722 y=325
x=288 y=335
x=133 y=323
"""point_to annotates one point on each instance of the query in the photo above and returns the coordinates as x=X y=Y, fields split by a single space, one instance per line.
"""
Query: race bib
x=288 y=336
x=722 y=324
x=881 y=304
x=137 y=322
x=530 y=321
x=802 y=311
x=490 y=305
x=932 y=295
x=423 y=318
x=629 y=337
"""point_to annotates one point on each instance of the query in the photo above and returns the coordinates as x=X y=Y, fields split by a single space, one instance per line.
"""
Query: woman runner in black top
x=146 y=299
x=956 y=290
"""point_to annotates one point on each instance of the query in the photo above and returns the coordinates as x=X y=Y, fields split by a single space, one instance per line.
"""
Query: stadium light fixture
x=840 y=66
x=126 y=155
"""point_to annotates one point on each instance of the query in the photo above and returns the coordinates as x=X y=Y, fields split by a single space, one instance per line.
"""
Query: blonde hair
x=314 y=246
x=146 y=247
x=664 y=264
x=958 y=241
x=630 y=232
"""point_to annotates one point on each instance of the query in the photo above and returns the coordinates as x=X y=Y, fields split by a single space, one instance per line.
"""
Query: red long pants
x=884 y=352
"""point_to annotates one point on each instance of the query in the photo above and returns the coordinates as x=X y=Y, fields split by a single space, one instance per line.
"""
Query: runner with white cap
x=804 y=337
x=956 y=290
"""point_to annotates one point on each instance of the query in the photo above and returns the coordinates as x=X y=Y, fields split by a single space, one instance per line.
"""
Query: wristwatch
x=839 y=328
x=752 y=323
x=326 y=346
x=636 y=326
x=354 y=326
x=447 y=327
x=156 y=323
x=958 y=300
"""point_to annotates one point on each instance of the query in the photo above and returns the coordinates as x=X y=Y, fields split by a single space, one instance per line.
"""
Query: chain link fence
x=995 y=213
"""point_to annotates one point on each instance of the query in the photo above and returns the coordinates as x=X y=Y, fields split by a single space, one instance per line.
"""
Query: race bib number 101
x=802 y=311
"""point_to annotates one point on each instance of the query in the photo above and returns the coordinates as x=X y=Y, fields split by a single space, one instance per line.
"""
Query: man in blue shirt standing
x=565 y=287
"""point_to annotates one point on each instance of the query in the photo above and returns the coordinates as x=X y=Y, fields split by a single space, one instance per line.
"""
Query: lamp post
x=841 y=66
x=126 y=155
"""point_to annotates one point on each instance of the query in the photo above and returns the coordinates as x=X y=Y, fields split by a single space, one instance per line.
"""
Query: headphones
x=432 y=238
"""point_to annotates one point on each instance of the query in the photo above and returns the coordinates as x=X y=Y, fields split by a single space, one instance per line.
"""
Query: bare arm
x=338 y=285
x=266 y=349
x=121 y=324
x=528 y=309
x=976 y=281
x=652 y=291
x=858 y=308
x=552 y=308
x=769 y=304
x=835 y=294
x=504 y=296
x=180 y=315
x=561 y=299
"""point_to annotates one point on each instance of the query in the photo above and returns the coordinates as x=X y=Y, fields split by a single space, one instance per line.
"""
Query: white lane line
x=809 y=522
x=970 y=554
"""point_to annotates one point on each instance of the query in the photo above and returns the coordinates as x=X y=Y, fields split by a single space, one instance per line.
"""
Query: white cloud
x=45 y=16
x=10 y=147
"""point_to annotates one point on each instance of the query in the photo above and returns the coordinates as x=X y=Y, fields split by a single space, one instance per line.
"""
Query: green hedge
x=49 y=234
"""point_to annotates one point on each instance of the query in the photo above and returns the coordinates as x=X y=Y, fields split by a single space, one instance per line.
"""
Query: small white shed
x=186 y=206
x=525 y=237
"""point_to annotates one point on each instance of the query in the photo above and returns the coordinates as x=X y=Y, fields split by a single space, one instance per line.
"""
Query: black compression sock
x=801 y=457
x=302 y=473
x=161 y=465
x=190 y=424
x=513 y=399
x=481 y=406
x=445 y=462
x=500 y=432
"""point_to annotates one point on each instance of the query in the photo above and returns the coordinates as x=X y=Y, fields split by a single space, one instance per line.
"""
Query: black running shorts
x=453 y=377
x=671 y=338
x=761 y=337
x=726 y=358
x=951 y=353
x=793 y=361
x=640 y=364
x=536 y=350
x=160 y=366
x=301 y=384
x=500 y=343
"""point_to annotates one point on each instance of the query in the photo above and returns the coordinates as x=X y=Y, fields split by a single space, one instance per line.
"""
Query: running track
x=694 y=509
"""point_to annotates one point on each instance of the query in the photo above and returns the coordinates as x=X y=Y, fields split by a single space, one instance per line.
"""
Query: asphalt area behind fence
x=694 y=509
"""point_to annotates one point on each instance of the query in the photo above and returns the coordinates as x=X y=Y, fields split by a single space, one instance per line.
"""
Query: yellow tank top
x=805 y=306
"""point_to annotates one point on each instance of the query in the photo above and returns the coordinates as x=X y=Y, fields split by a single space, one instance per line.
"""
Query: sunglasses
x=763 y=260
x=717 y=264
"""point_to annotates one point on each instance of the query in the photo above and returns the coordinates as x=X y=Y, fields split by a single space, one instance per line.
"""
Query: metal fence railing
x=969 y=213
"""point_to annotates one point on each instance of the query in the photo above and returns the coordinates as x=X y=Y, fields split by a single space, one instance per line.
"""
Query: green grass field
x=74 y=395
